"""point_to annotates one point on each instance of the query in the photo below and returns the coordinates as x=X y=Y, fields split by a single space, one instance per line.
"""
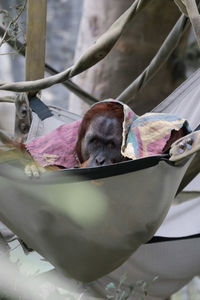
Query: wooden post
x=36 y=39
x=35 y=62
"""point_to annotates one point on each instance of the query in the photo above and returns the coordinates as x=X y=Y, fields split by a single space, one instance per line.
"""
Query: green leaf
x=111 y=285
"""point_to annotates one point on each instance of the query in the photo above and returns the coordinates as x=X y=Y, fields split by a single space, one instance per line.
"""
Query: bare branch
x=12 y=22
x=9 y=99
x=68 y=84
x=8 y=53
x=92 y=56
x=14 y=44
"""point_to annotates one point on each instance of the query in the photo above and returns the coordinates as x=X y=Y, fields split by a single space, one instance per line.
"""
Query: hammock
x=87 y=222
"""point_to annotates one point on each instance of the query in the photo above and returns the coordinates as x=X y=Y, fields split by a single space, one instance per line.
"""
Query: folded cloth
x=142 y=136
x=149 y=134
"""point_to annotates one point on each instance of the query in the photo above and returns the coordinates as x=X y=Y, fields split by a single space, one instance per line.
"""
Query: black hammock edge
x=83 y=174
x=161 y=239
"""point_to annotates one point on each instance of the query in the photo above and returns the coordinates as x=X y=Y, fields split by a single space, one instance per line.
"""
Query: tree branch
x=9 y=99
x=12 y=22
x=92 y=56
x=8 y=53
x=68 y=84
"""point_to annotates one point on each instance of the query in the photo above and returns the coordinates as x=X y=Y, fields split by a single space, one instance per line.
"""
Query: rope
x=190 y=9
x=92 y=56
x=74 y=88
x=157 y=62
x=194 y=16
x=181 y=6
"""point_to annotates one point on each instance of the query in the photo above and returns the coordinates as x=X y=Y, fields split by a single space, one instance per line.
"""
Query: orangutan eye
x=111 y=145
x=94 y=141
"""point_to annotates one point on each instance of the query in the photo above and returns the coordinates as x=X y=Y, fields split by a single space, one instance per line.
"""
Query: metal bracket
x=23 y=116
x=185 y=146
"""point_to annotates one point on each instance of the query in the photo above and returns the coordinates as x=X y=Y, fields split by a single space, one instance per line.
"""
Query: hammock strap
x=40 y=108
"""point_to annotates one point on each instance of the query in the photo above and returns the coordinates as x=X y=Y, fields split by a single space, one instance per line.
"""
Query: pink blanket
x=57 y=147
